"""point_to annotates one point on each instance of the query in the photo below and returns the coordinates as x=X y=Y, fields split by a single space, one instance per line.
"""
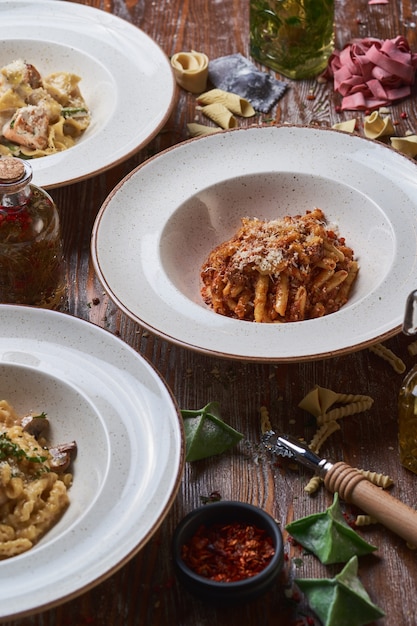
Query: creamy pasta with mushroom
x=34 y=480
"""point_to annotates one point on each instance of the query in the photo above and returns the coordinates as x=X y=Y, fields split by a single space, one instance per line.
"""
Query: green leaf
x=342 y=600
x=328 y=536
x=206 y=434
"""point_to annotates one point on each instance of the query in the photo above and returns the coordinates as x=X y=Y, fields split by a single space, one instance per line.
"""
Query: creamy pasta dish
x=34 y=480
x=39 y=115
x=284 y=270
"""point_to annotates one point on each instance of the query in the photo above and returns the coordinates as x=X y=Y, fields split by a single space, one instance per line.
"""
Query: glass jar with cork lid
x=32 y=267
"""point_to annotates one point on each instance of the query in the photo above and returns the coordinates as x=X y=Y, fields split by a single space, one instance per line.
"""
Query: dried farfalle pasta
x=219 y=114
x=232 y=101
x=200 y=130
x=318 y=400
x=377 y=126
x=388 y=355
x=381 y=480
x=191 y=70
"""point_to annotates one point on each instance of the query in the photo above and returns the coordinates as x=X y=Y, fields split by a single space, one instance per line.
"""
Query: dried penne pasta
x=200 y=130
x=388 y=355
x=287 y=270
x=233 y=102
x=220 y=115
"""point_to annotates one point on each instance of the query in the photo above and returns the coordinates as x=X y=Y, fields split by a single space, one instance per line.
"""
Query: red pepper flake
x=403 y=115
x=228 y=552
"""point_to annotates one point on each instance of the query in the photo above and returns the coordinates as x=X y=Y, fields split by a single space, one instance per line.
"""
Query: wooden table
x=145 y=592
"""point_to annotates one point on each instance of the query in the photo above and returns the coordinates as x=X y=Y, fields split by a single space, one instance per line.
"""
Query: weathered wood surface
x=144 y=592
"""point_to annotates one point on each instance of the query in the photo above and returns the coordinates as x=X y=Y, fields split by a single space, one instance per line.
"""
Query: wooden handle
x=354 y=488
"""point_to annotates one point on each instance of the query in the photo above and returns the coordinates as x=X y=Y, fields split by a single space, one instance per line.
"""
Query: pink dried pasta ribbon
x=370 y=73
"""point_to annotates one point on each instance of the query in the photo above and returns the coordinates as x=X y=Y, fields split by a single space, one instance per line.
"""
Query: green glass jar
x=32 y=269
x=293 y=37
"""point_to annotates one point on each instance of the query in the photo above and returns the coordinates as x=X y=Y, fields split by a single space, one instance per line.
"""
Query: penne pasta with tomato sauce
x=284 y=270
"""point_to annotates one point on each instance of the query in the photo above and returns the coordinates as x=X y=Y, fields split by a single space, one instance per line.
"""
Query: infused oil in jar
x=32 y=269
x=407 y=421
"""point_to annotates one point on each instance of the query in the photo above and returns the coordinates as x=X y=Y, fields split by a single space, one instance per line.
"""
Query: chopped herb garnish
x=10 y=449
x=73 y=111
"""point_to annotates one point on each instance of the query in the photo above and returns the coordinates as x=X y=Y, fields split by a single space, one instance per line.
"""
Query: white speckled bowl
x=157 y=227
x=97 y=391
x=126 y=80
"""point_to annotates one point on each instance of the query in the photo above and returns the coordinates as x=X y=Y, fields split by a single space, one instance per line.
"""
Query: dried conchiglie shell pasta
x=236 y=104
x=219 y=114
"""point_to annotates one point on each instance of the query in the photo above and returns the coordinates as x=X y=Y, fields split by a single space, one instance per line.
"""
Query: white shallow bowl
x=126 y=80
x=105 y=396
x=157 y=227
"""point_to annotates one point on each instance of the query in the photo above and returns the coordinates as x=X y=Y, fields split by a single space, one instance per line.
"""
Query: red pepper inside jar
x=228 y=552
x=32 y=268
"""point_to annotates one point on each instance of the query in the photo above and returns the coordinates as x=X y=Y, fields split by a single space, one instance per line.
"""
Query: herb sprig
x=10 y=449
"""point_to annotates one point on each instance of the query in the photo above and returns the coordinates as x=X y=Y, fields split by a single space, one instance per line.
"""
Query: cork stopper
x=11 y=169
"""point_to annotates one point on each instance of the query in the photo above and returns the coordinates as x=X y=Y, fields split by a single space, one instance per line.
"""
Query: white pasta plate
x=126 y=80
x=98 y=391
x=156 y=228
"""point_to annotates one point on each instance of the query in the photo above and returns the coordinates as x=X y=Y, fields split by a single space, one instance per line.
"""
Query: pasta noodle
x=33 y=482
x=412 y=348
x=218 y=113
x=39 y=116
x=201 y=130
x=285 y=270
x=388 y=355
x=378 y=479
x=343 y=411
x=235 y=103
x=322 y=434
x=265 y=422
x=365 y=520
x=313 y=484
x=191 y=70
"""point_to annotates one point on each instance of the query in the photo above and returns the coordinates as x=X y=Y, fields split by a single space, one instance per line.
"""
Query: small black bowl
x=223 y=513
